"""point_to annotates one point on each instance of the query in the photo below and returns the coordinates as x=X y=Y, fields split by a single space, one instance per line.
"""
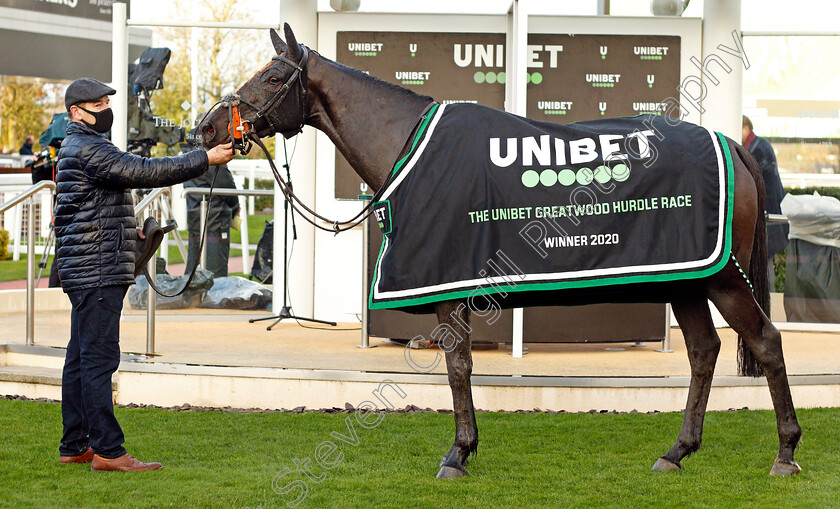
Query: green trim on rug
x=420 y=133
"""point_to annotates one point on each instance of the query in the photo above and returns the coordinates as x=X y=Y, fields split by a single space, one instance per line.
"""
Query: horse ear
x=294 y=47
x=279 y=45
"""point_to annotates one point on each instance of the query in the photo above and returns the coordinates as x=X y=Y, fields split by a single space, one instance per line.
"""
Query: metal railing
x=29 y=193
x=204 y=191
x=149 y=205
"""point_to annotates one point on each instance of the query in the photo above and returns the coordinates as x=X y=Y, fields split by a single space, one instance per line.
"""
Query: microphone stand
x=286 y=310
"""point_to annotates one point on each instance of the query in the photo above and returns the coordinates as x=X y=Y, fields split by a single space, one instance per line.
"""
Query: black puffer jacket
x=94 y=213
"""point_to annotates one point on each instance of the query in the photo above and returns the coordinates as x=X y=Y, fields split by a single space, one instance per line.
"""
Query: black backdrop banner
x=487 y=202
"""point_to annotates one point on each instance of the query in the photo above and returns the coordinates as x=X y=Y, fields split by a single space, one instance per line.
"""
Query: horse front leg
x=453 y=335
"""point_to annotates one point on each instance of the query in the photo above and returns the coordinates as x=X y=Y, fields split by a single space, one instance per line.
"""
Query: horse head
x=272 y=101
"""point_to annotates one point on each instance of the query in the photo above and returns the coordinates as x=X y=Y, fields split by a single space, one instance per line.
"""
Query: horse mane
x=381 y=83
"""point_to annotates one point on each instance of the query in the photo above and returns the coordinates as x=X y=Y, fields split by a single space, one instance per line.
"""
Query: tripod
x=286 y=310
x=42 y=264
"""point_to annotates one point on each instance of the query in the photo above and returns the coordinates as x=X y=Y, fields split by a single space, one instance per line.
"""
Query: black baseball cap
x=84 y=90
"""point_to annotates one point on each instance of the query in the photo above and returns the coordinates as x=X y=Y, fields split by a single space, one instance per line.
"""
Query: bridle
x=240 y=129
x=242 y=133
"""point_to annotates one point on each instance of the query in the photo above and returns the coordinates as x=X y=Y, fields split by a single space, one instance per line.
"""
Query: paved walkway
x=210 y=337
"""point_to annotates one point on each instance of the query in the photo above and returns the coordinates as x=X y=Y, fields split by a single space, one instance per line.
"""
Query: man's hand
x=140 y=233
x=220 y=154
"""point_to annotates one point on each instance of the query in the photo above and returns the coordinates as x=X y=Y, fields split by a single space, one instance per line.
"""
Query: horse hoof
x=450 y=473
x=782 y=468
x=663 y=465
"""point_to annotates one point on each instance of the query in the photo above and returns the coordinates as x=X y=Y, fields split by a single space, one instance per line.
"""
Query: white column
x=194 y=70
x=17 y=231
x=722 y=102
x=119 y=76
x=302 y=16
x=515 y=102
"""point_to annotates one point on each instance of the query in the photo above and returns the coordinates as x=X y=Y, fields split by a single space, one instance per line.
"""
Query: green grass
x=219 y=459
x=16 y=270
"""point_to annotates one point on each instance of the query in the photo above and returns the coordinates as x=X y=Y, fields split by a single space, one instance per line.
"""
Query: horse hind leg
x=733 y=298
x=703 y=345
x=453 y=334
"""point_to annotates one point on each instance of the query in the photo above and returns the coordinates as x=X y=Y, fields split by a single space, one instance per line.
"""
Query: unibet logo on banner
x=493 y=55
x=650 y=52
x=642 y=108
x=412 y=77
x=603 y=80
x=365 y=49
x=554 y=107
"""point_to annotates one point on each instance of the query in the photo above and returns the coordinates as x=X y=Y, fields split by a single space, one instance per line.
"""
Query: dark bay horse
x=370 y=120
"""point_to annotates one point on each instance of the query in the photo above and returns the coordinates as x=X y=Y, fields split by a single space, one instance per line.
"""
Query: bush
x=823 y=191
x=4 y=244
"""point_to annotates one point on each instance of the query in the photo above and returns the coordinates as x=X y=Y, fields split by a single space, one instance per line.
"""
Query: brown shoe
x=125 y=463
x=85 y=457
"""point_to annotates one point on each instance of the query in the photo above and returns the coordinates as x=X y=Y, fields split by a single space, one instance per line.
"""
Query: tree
x=23 y=110
x=229 y=56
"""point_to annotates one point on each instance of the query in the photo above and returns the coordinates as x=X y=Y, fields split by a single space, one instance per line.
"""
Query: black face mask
x=104 y=119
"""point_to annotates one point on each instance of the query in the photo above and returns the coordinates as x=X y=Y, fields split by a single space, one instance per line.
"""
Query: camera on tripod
x=144 y=77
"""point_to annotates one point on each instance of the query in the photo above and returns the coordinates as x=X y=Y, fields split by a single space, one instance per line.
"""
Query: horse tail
x=747 y=363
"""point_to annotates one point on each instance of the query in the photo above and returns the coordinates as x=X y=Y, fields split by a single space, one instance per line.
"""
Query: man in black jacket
x=777 y=233
x=26 y=148
x=95 y=236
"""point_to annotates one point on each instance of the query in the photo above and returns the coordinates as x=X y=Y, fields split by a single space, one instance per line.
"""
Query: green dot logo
x=620 y=172
x=478 y=77
x=584 y=176
x=413 y=54
x=530 y=178
x=548 y=178
x=501 y=78
x=528 y=78
x=536 y=78
x=650 y=85
x=490 y=77
x=566 y=177
x=603 y=57
x=602 y=174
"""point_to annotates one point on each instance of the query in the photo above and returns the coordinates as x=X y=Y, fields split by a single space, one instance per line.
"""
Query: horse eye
x=274 y=80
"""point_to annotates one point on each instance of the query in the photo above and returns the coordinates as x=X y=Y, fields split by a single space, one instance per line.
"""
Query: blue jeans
x=93 y=355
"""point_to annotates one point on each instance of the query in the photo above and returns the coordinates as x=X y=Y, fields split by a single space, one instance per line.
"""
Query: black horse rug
x=485 y=202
